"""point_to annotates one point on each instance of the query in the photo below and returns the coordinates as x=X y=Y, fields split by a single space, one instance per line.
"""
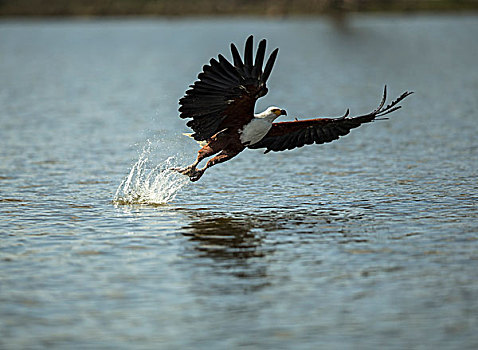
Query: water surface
x=370 y=241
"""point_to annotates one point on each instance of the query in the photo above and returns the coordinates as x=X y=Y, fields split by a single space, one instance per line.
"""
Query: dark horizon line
x=179 y=8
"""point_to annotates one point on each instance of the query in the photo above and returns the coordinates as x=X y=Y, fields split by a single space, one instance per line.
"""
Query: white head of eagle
x=271 y=113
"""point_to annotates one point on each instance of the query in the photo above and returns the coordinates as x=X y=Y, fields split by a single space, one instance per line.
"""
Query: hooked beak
x=280 y=112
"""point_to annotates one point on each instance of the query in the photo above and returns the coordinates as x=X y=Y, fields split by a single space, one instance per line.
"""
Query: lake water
x=368 y=242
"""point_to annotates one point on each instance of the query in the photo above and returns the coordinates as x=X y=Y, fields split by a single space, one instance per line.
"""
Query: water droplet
x=148 y=184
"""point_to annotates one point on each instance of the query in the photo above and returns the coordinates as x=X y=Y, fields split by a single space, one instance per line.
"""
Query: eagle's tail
x=201 y=143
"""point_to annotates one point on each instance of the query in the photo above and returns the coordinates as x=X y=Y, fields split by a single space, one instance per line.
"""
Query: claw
x=191 y=171
x=197 y=175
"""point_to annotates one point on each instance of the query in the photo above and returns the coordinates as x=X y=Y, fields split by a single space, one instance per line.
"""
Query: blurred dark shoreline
x=95 y=8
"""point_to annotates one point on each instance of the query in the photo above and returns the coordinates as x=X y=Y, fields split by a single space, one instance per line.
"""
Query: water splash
x=147 y=184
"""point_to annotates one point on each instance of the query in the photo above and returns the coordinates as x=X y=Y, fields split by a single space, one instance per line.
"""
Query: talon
x=191 y=171
x=197 y=175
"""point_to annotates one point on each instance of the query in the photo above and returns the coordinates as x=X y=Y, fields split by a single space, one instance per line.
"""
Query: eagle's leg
x=225 y=155
x=214 y=146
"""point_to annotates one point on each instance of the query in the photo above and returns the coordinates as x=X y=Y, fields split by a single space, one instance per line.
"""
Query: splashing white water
x=146 y=184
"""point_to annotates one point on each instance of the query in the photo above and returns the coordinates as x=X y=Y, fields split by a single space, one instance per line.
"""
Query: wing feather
x=248 y=57
x=236 y=57
x=216 y=70
x=261 y=51
x=308 y=139
x=228 y=68
x=269 y=65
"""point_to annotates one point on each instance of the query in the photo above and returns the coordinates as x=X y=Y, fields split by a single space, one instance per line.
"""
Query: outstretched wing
x=225 y=94
x=289 y=135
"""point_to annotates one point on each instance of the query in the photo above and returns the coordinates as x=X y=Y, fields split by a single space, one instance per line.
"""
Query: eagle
x=221 y=109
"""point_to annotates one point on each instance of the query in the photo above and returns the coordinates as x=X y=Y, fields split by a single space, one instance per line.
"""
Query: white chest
x=255 y=131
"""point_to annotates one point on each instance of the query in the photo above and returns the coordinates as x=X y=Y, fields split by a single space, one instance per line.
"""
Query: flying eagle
x=221 y=104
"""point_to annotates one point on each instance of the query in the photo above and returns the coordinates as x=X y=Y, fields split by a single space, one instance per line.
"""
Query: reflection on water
x=233 y=246
x=222 y=238
x=240 y=245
